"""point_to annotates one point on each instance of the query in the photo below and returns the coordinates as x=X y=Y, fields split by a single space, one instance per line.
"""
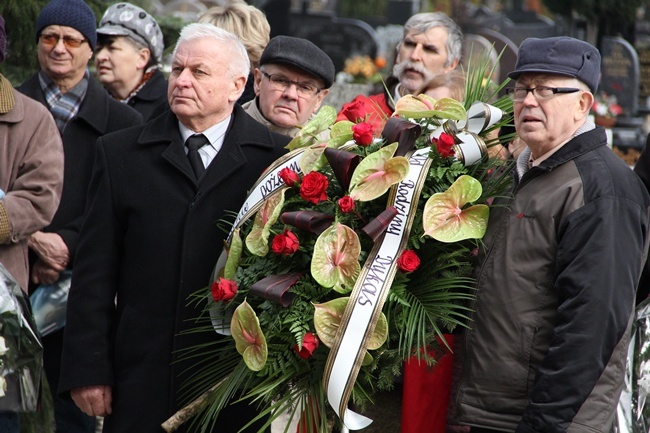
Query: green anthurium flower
x=327 y=320
x=377 y=173
x=313 y=158
x=444 y=218
x=335 y=261
x=340 y=133
x=234 y=254
x=307 y=136
x=257 y=240
x=248 y=336
x=380 y=334
x=424 y=106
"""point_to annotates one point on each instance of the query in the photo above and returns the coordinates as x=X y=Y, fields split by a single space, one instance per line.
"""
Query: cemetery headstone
x=642 y=46
x=340 y=38
x=620 y=73
x=503 y=46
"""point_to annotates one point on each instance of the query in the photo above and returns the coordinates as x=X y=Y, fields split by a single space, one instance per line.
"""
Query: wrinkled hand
x=42 y=273
x=51 y=249
x=93 y=400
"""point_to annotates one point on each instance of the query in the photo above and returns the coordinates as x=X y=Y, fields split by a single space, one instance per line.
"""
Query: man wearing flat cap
x=556 y=280
x=293 y=79
x=83 y=111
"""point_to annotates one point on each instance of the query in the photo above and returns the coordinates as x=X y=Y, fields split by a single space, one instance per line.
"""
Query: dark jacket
x=98 y=114
x=642 y=168
x=152 y=97
x=548 y=341
x=151 y=238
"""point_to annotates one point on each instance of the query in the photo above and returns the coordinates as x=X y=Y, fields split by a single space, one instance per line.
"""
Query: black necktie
x=193 y=143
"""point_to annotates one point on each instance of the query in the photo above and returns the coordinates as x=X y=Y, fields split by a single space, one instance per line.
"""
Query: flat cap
x=302 y=54
x=559 y=55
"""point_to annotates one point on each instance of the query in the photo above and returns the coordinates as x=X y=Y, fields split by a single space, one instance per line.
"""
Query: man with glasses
x=293 y=79
x=556 y=280
x=83 y=111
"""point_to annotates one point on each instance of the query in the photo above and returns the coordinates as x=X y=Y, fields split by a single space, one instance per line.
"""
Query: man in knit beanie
x=66 y=36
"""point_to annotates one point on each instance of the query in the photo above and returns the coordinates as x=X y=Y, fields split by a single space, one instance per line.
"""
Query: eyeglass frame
x=510 y=91
x=68 y=41
x=279 y=86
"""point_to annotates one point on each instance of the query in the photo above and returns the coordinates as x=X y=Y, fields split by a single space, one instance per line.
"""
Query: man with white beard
x=432 y=44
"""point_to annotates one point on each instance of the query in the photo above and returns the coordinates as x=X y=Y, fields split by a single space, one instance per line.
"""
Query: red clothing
x=426 y=393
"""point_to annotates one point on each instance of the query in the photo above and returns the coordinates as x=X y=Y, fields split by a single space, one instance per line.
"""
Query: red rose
x=288 y=176
x=313 y=187
x=355 y=112
x=286 y=243
x=408 y=261
x=363 y=133
x=444 y=145
x=346 y=204
x=309 y=344
x=224 y=290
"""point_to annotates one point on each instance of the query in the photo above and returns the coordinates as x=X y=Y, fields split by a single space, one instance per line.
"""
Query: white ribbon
x=369 y=293
x=470 y=147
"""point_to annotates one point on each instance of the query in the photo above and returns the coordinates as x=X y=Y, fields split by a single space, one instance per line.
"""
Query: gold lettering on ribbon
x=374 y=282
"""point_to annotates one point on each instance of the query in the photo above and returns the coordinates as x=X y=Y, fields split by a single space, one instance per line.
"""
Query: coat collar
x=94 y=109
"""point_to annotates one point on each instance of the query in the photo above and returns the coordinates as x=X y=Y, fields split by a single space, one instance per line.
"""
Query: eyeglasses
x=542 y=93
x=53 y=39
x=280 y=82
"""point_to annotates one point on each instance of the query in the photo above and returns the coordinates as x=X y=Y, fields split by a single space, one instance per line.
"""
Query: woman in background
x=129 y=51
x=250 y=24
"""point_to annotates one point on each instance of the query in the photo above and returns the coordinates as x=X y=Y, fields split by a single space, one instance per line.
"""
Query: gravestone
x=642 y=46
x=476 y=50
x=620 y=73
x=340 y=38
x=503 y=46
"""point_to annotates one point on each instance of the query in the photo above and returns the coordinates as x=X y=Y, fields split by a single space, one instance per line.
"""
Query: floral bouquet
x=347 y=258
x=362 y=69
x=20 y=349
x=606 y=105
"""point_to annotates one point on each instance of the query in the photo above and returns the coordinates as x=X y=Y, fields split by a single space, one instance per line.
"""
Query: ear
x=319 y=99
x=584 y=104
x=257 y=81
x=143 y=58
x=237 y=88
x=452 y=66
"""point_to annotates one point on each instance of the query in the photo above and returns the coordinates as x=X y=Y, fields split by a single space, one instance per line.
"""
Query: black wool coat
x=149 y=240
x=98 y=114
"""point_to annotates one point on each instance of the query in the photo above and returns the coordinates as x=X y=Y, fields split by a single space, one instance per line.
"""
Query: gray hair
x=421 y=23
x=238 y=63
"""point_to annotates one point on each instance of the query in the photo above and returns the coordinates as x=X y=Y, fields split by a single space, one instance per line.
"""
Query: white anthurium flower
x=3 y=386
x=3 y=346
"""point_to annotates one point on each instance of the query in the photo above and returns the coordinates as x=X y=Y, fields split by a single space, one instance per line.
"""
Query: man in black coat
x=150 y=239
x=83 y=111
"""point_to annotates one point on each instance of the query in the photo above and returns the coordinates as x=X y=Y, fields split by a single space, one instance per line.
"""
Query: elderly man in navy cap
x=556 y=280
x=293 y=79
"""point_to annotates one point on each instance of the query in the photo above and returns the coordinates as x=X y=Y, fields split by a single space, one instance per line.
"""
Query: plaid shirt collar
x=63 y=107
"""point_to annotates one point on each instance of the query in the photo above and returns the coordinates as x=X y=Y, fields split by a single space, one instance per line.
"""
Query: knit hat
x=71 y=13
x=302 y=54
x=3 y=40
x=560 y=55
x=125 y=19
